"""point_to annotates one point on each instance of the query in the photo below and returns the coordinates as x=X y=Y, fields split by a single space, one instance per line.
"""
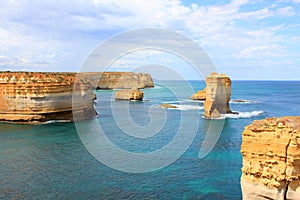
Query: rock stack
x=218 y=92
x=271 y=159
x=131 y=95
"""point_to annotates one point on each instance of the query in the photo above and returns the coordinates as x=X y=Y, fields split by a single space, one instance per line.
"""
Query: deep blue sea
x=50 y=161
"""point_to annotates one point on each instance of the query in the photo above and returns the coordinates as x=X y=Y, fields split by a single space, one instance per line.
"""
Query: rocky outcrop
x=218 y=92
x=119 y=80
x=165 y=105
x=200 y=95
x=36 y=97
x=130 y=95
x=271 y=159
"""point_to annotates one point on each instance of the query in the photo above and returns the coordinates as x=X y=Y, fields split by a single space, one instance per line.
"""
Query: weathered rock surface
x=200 y=95
x=271 y=159
x=119 y=80
x=218 y=92
x=126 y=94
x=37 y=97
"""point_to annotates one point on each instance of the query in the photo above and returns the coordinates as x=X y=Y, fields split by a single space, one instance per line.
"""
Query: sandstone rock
x=271 y=159
x=200 y=95
x=218 y=92
x=36 y=97
x=165 y=105
x=119 y=80
x=133 y=94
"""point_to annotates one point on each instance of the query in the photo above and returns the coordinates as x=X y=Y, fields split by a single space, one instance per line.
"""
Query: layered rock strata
x=200 y=95
x=36 y=97
x=119 y=80
x=218 y=92
x=130 y=95
x=271 y=159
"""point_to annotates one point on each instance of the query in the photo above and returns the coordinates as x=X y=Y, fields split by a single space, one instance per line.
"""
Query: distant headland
x=38 y=97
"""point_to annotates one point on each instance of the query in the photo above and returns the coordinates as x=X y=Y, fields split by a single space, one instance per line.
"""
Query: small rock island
x=131 y=95
x=200 y=95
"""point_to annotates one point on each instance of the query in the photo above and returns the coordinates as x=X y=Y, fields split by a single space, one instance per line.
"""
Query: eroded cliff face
x=37 y=97
x=119 y=80
x=271 y=159
x=218 y=92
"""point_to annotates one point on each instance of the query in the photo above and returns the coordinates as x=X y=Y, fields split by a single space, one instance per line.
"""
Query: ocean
x=51 y=161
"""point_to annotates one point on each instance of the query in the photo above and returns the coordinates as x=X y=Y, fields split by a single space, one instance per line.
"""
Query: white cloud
x=262 y=51
x=286 y=11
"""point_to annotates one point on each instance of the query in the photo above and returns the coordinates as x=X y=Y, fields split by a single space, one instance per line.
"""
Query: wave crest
x=241 y=101
x=186 y=107
x=243 y=114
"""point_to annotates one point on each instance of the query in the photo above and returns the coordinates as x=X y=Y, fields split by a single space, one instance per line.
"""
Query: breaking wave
x=239 y=101
x=243 y=114
x=56 y=121
x=186 y=107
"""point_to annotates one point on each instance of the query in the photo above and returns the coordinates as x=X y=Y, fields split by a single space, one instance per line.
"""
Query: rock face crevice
x=271 y=159
x=37 y=97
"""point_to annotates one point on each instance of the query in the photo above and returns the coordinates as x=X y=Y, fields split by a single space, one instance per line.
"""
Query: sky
x=247 y=40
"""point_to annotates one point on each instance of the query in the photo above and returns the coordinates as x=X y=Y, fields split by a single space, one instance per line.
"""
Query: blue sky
x=248 y=40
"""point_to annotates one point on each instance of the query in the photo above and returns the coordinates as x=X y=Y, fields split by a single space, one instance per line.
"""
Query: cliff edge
x=37 y=97
x=271 y=159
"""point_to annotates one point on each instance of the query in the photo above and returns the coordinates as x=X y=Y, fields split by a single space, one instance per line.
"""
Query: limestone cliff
x=271 y=159
x=218 y=92
x=127 y=94
x=36 y=97
x=119 y=80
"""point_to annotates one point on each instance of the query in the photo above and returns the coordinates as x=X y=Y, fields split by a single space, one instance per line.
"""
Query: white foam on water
x=56 y=121
x=184 y=100
x=242 y=102
x=155 y=87
x=172 y=102
x=194 y=101
x=186 y=107
x=243 y=114
x=240 y=115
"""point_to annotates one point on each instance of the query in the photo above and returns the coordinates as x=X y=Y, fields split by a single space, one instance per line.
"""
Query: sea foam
x=242 y=102
x=243 y=114
x=186 y=107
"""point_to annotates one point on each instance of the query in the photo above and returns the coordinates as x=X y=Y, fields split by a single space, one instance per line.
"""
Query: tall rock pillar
x=218 y=92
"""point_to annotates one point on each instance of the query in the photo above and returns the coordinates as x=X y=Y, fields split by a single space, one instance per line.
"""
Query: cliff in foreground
x=271 y=159
x=37 y=97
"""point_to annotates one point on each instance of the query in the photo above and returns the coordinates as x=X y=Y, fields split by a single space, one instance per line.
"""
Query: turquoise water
x=49 y=161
